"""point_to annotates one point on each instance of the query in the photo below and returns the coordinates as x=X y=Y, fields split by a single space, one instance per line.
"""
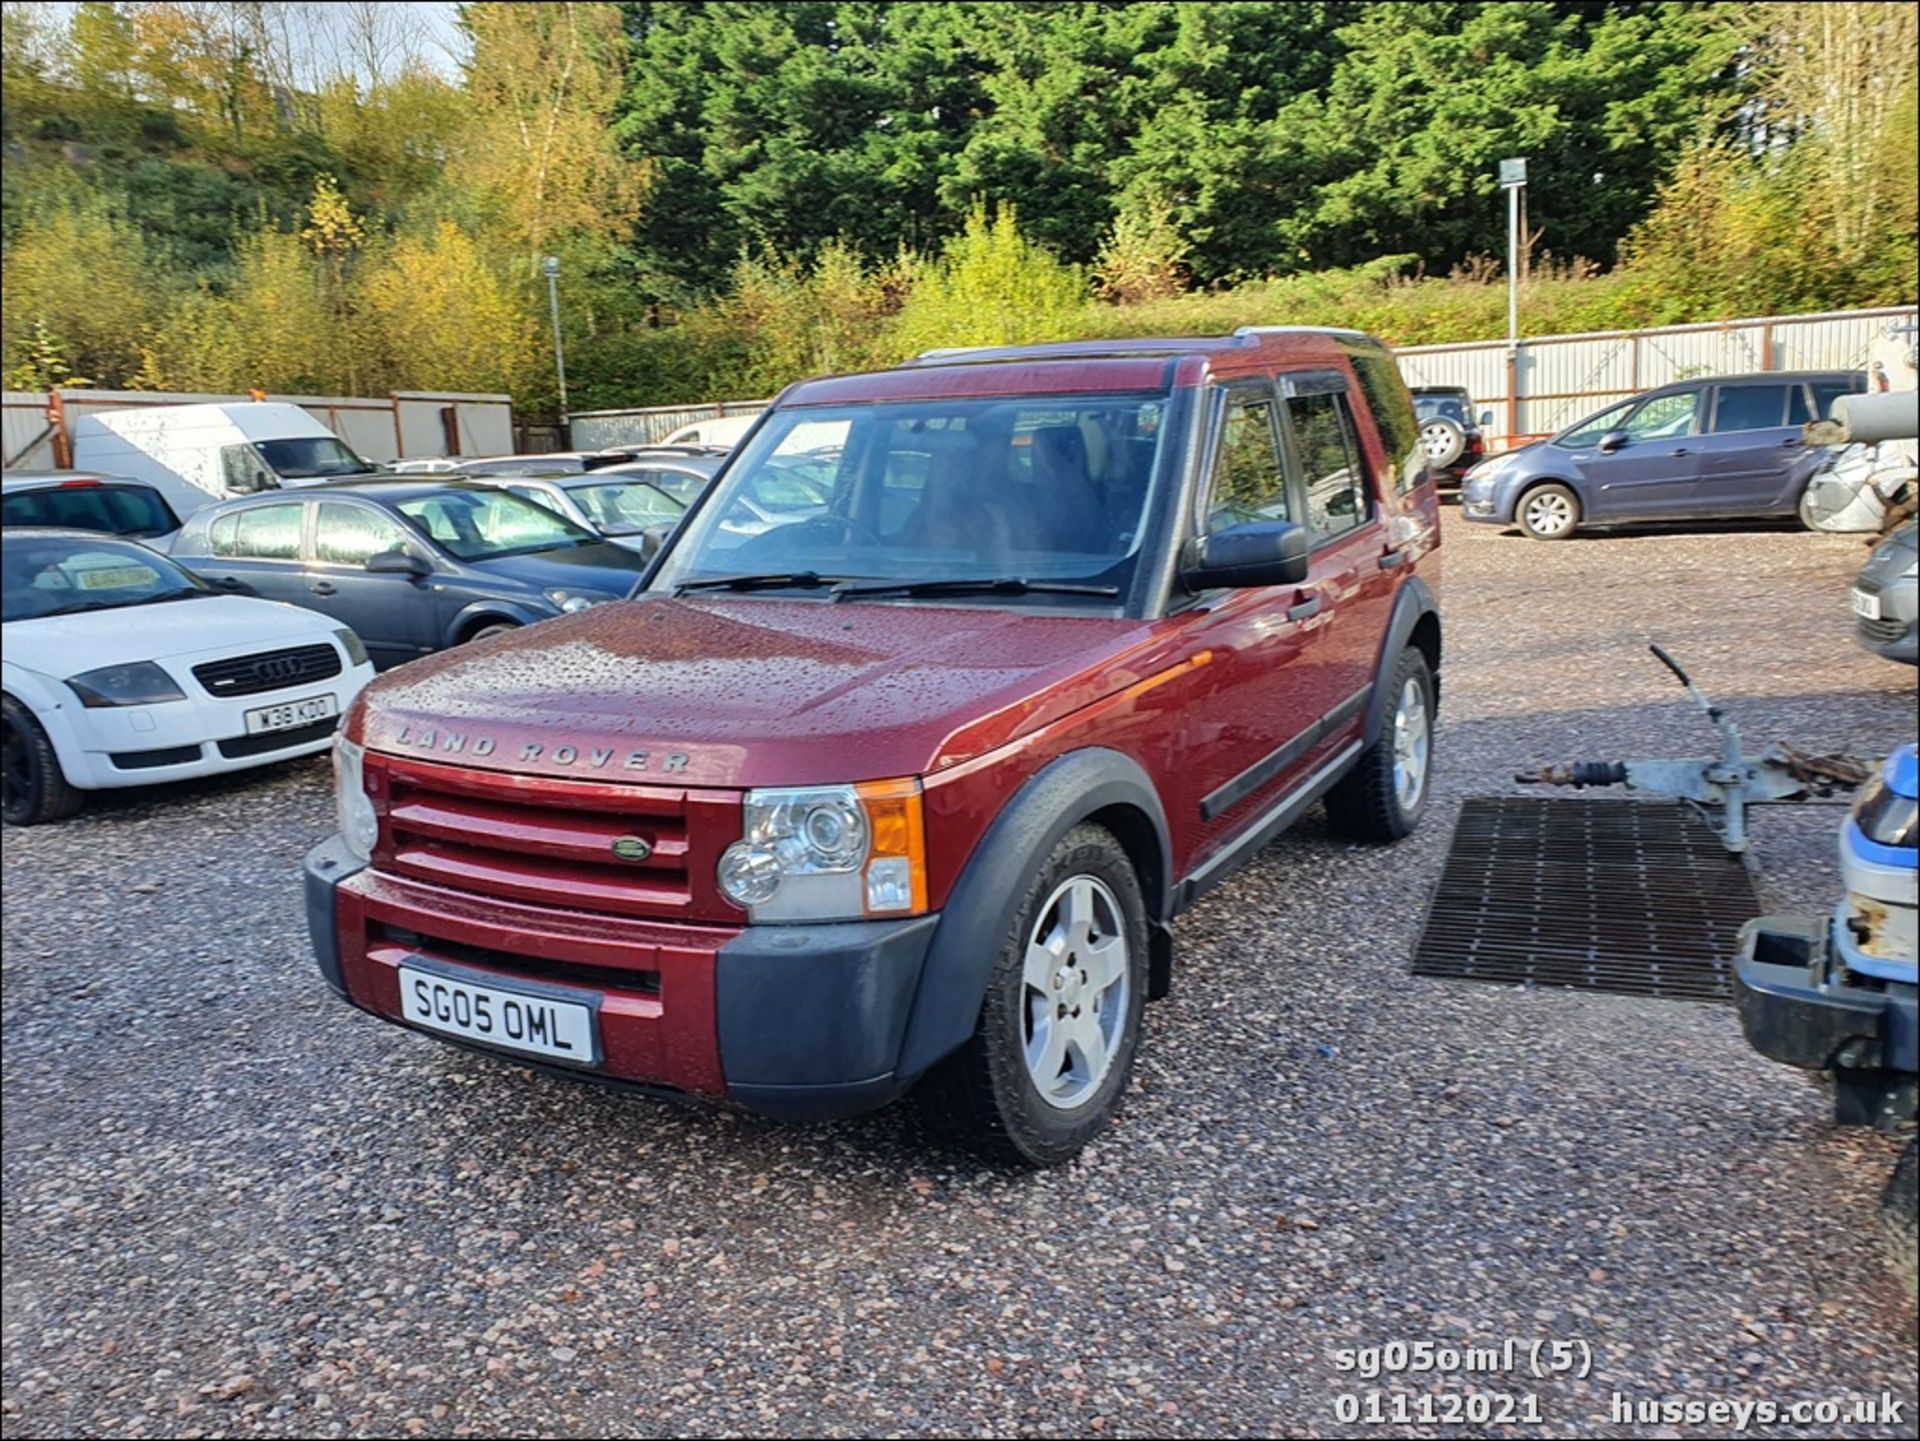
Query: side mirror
x=1261 y=552
x=653 y=537
x=1486 y=420
x=1612 y=441
x=398 y=562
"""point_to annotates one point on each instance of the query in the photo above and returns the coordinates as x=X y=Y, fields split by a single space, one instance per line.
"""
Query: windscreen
x=308 y=457
x=487 y=524
x=60 y=575
x=1042 y=488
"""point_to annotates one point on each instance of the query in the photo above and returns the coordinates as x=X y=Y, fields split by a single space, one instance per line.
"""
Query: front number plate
x=291 y=715
x=538 y=1025
x=1866 y=604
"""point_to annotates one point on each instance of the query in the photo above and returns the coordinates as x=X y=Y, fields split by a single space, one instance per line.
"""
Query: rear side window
x=352 y=534
x=1392 y=408
x=118 y=509
x=1750 y=407
x=1248 y=482
x=1825 y=392
x=267 y=532
x=1319 y=416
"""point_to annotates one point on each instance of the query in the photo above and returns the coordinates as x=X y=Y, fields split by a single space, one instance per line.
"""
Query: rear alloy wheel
x=33 y=788
x=1054 y=1046
x=1383 y=797
x=493 y=628
x=1444 y=441
x=1549 y=512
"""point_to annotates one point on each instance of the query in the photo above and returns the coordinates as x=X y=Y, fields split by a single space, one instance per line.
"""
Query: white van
x=724 y=431
x=197 y=454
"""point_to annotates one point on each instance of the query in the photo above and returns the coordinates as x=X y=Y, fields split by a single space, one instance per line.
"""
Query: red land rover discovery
x=960 y=683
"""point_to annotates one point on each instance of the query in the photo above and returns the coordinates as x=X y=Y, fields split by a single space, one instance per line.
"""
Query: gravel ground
x=234 y=1206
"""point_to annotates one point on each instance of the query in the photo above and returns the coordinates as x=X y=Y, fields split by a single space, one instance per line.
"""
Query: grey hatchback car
x=1715 y=448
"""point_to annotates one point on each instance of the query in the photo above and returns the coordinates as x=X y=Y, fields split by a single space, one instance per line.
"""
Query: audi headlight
x=139 y=682
x=350 y=643
x=359 y=822
x=568 y=601
x=829 y=853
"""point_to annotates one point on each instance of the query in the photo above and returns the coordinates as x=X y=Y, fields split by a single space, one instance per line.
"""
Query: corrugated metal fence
x=406 y=423
x=595 y=429
x=1550 y=381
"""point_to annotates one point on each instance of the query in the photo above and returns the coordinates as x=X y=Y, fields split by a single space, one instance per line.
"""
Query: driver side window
x=1664 y=416
x=1249 y=483
x=352 y=534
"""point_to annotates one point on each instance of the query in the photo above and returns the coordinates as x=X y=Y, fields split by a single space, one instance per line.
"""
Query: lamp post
x=550 y=267
x=1513 y=180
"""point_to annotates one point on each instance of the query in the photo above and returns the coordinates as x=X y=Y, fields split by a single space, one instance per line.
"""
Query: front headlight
x=350 y=643
x=829 y=853
x=1492 y=465
x=568 y=601
x=359 y=822
x=140 y=682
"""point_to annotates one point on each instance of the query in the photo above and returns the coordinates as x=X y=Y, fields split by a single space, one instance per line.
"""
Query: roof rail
x=1247 y=330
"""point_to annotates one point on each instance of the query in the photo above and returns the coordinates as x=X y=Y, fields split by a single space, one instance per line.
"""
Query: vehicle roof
x=1762 y=376
x=1080 y=366
x=389 y=489
x=25 y=479
x=1438 y=390
x=701 y=462
x=67 y=532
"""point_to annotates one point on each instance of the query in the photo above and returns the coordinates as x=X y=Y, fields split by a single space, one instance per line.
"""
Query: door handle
x=322 y=587
x=1682 y=450
x=1305 y=609
x=1790 y=441
x=1392 y=559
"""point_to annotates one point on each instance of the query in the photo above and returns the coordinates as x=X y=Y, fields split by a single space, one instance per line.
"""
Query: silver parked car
x=1886 y=597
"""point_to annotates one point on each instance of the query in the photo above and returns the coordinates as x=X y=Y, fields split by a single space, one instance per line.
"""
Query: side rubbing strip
x=1274 y=762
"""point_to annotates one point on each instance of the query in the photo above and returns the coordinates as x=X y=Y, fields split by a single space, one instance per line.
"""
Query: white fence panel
x=408 y=424
x=1554 y=380
x=645 y=425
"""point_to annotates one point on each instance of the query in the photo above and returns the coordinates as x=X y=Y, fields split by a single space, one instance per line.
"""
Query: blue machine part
x=1874 y=930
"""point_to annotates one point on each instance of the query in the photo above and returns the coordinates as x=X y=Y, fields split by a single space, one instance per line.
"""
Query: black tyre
x=1900 y=1217
x=35 y=788
x=1054 y=1046
x=492 y=628
x=1383 y=797
x=1548 y=512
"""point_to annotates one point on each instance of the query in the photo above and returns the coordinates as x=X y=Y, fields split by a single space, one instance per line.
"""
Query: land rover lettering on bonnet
x=901 y=789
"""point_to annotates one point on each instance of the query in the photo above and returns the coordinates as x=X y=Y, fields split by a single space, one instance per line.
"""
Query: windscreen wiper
x=772 y=580
x=982 y=585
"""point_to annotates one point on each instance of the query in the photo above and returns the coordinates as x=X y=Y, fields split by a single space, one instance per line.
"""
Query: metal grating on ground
x=1622 y=896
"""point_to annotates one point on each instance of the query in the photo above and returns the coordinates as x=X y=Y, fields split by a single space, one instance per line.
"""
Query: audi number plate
x=291 y=714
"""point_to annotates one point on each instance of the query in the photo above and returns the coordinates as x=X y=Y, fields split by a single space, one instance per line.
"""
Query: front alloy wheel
x=33 y=789
x=1549 y=512
x=1053 y=1046
x=1077 y=988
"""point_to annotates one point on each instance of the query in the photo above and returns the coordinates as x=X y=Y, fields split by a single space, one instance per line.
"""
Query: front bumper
x=798 y=1022
x=110 y=747
x=1800 y=1007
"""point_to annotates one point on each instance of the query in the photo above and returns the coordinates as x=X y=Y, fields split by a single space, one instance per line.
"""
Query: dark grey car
x=1886 y=597
x=412 y=564
x=1720 y=447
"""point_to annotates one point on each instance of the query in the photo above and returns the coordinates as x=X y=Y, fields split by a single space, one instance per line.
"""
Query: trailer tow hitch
x=1719 y=790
